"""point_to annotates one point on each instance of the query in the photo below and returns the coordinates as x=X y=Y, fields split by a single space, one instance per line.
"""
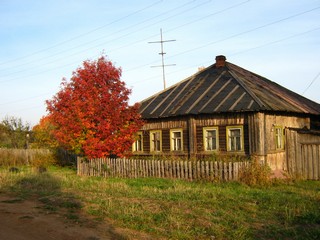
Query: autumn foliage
x=43 y=134
x=91 y=114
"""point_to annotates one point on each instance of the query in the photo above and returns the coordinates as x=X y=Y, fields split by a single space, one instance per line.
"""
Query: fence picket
x=183 y=169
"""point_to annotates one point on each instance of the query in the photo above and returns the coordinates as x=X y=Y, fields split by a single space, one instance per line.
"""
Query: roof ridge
x=227 y=88
x=251 y=94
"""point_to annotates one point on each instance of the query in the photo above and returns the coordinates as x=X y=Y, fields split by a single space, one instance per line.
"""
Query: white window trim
x=151 y=141
x=134 y=149
x=172 y=131
x=241 y=138
x=205 y=130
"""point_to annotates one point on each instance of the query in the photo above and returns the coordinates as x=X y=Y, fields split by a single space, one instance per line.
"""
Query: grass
x=173 y=209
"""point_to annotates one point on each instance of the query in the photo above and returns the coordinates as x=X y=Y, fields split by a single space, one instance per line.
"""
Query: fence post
x=79 y=165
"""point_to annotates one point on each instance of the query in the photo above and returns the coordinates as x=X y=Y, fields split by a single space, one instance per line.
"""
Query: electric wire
x=312 y=82
x=83 y=34
x=114 y=39
x=202 y=46
x=234 y=54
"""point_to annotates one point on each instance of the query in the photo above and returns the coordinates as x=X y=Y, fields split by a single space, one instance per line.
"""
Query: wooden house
x=225 y=110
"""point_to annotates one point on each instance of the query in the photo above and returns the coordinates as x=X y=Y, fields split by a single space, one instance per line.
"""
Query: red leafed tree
x=91 y=113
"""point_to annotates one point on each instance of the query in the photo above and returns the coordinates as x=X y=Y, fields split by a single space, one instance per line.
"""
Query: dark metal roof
x=225 y=89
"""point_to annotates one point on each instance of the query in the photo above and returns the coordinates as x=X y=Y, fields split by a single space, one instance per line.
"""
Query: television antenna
x=162 y=53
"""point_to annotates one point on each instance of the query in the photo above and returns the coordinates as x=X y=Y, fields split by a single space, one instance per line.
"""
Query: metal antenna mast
x=163 y=53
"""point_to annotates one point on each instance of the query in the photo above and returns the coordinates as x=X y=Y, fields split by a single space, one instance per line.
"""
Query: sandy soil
x=26 y=219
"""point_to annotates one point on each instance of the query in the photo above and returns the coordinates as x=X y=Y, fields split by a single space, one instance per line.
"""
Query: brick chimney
x=220 y=61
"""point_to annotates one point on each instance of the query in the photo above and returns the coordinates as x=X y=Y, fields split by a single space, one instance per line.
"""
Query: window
x=155 y=141
x=279 y=137
x=176 y=142
x=210 y=138
x=138 y=144
x=235 y=138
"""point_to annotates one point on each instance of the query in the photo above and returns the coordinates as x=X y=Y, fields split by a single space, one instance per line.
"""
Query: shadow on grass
x=45 y=188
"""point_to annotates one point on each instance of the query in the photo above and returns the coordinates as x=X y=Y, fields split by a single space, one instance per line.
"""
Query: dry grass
x=172 y=209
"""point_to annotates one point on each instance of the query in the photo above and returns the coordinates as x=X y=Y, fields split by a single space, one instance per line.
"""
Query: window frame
x=134 y=145
x=152 y=141
x=173 y=142
x=230 y=128
x=205 y=130
x=276 y=137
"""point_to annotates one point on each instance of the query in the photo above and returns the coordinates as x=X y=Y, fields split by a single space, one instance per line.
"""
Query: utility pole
x=162 y=53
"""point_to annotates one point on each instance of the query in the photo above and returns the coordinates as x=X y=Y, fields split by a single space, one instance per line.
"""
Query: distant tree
x=43 y=134
x=14 y=133
x=91 y=114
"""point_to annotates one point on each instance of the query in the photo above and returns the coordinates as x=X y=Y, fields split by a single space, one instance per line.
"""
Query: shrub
x=255 y=174
x=42 y=160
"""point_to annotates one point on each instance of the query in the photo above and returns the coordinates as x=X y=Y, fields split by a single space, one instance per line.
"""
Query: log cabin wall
x=192 y=127
x=258 y=131
x=222 y=121
x=165 y=125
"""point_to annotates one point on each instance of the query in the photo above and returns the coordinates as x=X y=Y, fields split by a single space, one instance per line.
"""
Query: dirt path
x=26 y=219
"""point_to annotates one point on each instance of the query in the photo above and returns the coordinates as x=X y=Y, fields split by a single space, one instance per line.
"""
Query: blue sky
x=42 y=41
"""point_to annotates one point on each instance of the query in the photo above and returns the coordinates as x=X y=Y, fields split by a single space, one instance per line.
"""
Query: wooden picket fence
x=137 y=168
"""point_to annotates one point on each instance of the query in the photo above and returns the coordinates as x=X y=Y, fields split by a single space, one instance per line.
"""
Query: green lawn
x=173 y=209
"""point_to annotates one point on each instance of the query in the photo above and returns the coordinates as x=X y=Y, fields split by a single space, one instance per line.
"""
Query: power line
x=83 y=34
x=240 y=52
x=277 y=41
x=218 y=41
x=311 y=83
x=247 y=31
x=233 y=36
x=117 y=38
x=203 y=63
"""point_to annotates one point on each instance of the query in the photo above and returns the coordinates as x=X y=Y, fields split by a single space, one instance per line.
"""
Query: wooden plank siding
x=303 y=154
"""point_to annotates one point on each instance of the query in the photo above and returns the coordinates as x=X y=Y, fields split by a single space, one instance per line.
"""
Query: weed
x=255 y=174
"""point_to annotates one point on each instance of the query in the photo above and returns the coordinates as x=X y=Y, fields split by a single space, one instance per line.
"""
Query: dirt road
x=27 y=220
